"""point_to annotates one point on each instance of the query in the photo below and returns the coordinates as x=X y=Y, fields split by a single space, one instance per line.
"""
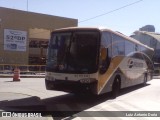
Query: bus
x=152 y=40
x=95 y=61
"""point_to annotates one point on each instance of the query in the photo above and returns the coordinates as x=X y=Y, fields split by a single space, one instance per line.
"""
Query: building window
x=38 y=44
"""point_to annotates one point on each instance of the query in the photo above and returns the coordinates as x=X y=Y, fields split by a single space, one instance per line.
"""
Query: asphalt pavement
x=29 y=94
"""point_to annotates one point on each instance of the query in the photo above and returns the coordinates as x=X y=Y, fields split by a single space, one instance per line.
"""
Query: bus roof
x=101 y=30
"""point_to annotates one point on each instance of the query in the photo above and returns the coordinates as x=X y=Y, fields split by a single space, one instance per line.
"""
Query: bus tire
x=116 y=87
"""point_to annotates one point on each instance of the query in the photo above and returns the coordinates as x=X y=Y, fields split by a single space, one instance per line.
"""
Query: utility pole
x=27 y=5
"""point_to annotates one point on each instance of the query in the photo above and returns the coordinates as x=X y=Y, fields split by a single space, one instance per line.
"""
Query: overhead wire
x=111 y=11
x=106 y=12
x=102 y=14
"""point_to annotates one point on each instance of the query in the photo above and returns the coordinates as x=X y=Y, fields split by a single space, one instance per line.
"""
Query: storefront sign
x=15 y=40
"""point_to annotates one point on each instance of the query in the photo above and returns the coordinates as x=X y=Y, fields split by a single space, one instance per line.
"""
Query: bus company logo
x=130 y=63
x=6 y=114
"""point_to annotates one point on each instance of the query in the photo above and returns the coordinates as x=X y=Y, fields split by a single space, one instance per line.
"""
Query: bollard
x=16 y=76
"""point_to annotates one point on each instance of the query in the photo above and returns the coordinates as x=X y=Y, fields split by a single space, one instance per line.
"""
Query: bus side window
x=118 y=45
x=129 y=48
x=136 y=47
x=105 y=52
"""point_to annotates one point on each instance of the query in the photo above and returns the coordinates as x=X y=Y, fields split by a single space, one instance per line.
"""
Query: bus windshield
x=73 y=52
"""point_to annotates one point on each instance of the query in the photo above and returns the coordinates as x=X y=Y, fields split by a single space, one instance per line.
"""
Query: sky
x=118 y=15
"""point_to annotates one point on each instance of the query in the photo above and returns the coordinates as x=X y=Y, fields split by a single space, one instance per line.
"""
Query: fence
x=8 y=68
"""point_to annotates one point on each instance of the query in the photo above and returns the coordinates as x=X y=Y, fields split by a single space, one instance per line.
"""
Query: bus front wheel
x=115 y=87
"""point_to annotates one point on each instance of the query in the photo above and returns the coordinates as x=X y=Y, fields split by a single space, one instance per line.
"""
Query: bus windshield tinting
x=73 y=52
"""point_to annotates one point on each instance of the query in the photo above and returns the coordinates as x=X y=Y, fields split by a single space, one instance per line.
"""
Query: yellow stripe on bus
x=103 y=78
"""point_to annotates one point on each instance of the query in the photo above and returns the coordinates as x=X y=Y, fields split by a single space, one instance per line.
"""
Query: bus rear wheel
x=115 y=87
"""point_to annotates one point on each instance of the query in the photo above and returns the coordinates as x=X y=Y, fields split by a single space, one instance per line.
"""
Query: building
x=148 y=28
x=24 y=35
x=152 y=40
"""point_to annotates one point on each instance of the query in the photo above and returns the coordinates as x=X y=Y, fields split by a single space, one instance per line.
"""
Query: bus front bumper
x=72 y=86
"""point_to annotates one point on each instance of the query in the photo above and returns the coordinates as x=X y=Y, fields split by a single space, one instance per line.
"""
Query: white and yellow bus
x=96 y=61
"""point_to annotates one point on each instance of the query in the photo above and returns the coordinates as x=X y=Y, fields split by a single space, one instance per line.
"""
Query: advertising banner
x=15 y=40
